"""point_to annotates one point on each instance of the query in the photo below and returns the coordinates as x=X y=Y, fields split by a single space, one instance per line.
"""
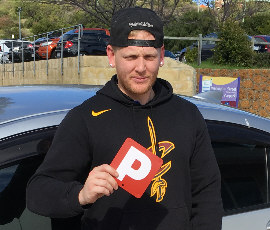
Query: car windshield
x=17 y=44
x=267 y=38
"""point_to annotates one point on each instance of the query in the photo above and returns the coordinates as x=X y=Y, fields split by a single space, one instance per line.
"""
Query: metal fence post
x=200 y=49
x=34 y=53
x=47 y=67
x=79 y=45
x=12 y=57
x=62 y=51
x=22 y=59
x=252 y=42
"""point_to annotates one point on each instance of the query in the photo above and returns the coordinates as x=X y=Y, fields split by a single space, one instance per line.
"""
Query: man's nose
x=140 y=65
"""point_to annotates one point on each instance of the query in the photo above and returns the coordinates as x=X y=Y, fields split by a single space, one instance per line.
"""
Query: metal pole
x=22 y=59
x=34 y=53
x=47 y=67
x=200 y=49
x=12 y=58
x=20 y=32
x=79 y=42
x=62 y=52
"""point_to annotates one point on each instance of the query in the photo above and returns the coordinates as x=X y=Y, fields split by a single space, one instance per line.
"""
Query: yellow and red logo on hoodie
x=159 y=184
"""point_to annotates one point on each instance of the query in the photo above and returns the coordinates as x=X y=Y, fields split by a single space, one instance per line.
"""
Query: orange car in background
x=52 y=43
x=47 y=46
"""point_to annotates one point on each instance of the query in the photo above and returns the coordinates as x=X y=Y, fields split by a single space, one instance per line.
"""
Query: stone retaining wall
x=94 y=70
x=254 y=94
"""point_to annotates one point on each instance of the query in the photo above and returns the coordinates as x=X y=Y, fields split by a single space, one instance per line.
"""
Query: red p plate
x=136 y=166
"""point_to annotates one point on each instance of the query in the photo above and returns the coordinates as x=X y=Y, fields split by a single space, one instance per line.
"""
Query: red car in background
x=263 y=38
x=47 y=47
x=51 y=45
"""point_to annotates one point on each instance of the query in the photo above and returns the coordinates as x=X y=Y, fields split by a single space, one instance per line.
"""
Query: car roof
x=36 y=99
x=265 y=37
x=41 y=105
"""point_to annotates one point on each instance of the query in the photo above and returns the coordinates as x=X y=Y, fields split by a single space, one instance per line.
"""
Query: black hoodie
x=186 y=195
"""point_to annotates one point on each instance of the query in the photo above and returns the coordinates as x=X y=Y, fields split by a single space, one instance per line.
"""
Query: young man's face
x=136 y=67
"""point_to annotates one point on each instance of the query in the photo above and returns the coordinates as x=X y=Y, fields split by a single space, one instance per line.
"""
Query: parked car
x=263 y=38
x=45 y=46
x=49 y=45
x=4 y=49
x=207 y=48
x=93 y=41
x=170 y=54
x=13 y=50
x=19 y=52
x=30 y=115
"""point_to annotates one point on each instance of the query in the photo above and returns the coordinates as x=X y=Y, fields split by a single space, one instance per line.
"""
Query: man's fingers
x=106 y=173
x=105 y=184
x=101 y=191
x=107 y=168
x=101 y=181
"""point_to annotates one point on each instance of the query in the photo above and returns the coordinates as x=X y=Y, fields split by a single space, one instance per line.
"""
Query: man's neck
x=142 y=98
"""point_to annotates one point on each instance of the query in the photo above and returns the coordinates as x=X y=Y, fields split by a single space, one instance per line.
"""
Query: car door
x=242 y=154
x=20 y=156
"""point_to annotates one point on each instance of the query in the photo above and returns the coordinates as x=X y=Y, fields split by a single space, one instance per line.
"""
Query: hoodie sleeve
x=53 y=190
x=207 y=207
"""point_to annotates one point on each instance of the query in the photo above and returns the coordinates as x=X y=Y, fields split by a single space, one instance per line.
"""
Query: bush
x=191 y=55
x=261 y=60
x=234 y=47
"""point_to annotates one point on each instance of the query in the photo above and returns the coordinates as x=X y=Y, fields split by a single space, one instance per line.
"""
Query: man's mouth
x=139 y=79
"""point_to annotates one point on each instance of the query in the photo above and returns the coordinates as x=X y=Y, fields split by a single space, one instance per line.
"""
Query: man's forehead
x=141 y=34
x=139 y=50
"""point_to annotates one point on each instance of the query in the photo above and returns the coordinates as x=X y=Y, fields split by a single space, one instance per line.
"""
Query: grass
x=209 y=64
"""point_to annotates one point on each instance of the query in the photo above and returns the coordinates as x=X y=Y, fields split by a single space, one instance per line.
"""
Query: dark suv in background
x=92 y=41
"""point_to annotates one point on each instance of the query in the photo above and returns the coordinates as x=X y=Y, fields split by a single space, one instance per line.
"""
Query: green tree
x=8 y=20
x=234 y=47
x=102 y=10
x=190 y=24
x=41 y=18
x=257 y=24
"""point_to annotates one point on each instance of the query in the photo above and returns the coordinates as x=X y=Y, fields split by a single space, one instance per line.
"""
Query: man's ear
x=162 y=54
x=111 y=56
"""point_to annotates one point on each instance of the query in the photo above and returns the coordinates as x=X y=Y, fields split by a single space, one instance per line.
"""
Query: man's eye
x=131 y=57
x=150 y=57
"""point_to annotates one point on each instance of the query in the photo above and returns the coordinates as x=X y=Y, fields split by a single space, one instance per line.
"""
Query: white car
x=10 y=47
x=30 y=115
x=4 y=49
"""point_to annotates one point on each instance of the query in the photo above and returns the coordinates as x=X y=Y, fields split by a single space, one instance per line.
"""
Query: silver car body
x=27 y=108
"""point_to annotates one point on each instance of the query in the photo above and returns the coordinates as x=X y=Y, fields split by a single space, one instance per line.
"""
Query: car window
x=67 y=36
x=19 y=158
x=267 y=38
x=242 y=158
x=259 y=39
x=95 y=38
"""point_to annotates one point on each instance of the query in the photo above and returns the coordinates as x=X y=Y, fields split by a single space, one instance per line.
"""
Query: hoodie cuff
x=73 y=198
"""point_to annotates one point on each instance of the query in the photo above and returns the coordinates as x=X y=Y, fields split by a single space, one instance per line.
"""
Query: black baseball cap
x=126 y=20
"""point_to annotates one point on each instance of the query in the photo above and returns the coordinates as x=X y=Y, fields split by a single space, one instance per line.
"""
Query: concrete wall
x=94 y=70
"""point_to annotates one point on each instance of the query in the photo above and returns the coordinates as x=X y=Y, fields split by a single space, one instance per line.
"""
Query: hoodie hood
x=163 y=91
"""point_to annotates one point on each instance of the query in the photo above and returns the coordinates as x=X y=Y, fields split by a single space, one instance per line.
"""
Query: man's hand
x=99 y=182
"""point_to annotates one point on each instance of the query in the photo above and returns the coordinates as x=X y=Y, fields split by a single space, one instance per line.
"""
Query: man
x=76 y=178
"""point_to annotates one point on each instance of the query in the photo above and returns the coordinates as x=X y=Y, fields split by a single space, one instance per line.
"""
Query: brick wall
x=254 y=93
